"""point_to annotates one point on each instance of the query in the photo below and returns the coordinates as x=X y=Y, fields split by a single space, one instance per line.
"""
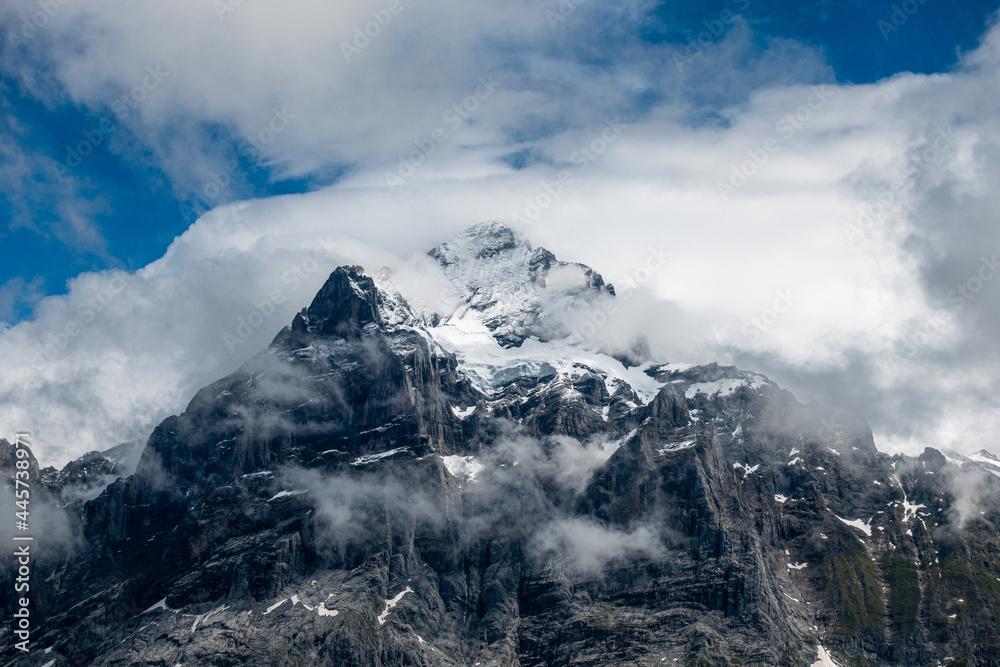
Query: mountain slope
x=380 y=487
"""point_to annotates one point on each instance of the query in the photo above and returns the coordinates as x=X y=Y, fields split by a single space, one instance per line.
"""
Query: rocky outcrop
x=359 y=494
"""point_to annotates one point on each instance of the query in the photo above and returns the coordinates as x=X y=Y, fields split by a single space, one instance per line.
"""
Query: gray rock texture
x=351 y=496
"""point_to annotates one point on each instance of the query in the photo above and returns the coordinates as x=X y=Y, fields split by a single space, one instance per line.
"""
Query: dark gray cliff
x=351 y=497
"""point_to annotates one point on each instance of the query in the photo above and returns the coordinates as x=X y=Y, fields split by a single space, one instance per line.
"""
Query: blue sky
x=861 y=40
x=135 y=210
x=121 y=209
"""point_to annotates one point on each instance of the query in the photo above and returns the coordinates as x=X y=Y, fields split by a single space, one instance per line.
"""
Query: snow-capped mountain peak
x=511 y=287
x=987 y=461
x=984 y=454
x=339 y=469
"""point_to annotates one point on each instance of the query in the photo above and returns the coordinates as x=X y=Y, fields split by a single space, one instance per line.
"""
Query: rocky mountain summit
x=388 y=486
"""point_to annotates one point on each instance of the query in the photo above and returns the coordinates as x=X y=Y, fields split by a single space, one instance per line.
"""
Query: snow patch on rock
x=463 y=467
x=285 y=494
x=372 y=458
x=389 y=604
x=463 y=413
x=864 y=526
x=725 y=386
x=823 y=658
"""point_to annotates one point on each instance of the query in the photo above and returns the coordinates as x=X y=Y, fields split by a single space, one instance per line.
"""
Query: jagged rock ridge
x=376 y=489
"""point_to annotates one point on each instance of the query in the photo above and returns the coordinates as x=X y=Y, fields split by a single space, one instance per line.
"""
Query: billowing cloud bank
x=840 y=238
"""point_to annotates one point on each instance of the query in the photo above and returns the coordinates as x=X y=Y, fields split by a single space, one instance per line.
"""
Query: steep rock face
x=86 y=477
x=377 y=489
x=340 y=388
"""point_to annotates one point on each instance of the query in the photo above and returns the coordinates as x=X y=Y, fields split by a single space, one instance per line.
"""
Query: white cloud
x=228 y=75
x=584 y=546
x=656 y=185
